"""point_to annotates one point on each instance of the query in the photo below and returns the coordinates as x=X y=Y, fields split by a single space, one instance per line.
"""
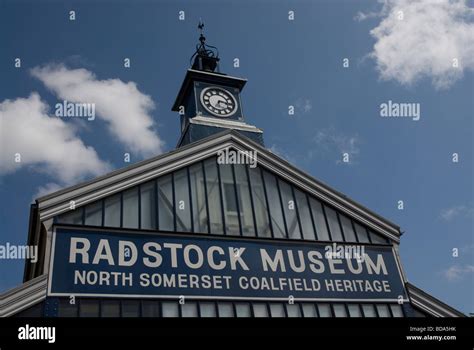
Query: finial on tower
x=206 y=57
x=201 y=25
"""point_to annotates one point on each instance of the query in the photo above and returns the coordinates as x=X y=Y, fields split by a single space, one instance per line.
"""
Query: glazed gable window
x=224 y=199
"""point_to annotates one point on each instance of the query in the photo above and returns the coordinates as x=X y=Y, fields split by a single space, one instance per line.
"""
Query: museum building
x=218 y=227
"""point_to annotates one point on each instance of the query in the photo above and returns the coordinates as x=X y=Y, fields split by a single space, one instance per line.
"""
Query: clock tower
x=209 y=101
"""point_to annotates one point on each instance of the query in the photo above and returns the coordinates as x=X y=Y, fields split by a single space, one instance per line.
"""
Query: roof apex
x=119 y=180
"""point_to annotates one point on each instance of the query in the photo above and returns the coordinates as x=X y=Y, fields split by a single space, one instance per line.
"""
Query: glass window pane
x=305 y=215
x=130 y=308
x=333 y=223
x=182 y=202
x=66 y=309
x=260 y=310
x=165 y=203
x=112 y=211
x=349 y=234
x=324 y=310
x=260 y=203
x=109 y=308
x=73 y=217
x=309 y=310
x=293 y=310
x=93 y=214
x=277 y=310
x=354 y=310
x=369 y=310
x=243 y=195
x=148 y=206
x=189 y=309
x=170 y=309
x=89 y=308
x=319 y=221
x=213 y=196
x=382 y=310
x=396 y=310
x=207 y=309
x=231 y=207
x=362 y=234
x=230 y=204
x=275 y=205
x=290 y=210
x=376 y=238
x=198 y=194
x=150 y=308
x=225 y=309
x=339 y=310
x=130 y=208
x=243 y=310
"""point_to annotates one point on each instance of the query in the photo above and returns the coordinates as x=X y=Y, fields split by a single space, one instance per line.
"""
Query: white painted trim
x=48 y=224
x=116 y=183
x=213 y=297
x=430 y=304
x=195 y=297
x=51 y=262
x=224 y=123
x=396 y=251
x=23 y=296
x=421 y=306
x=53 y=205
x=400 y=273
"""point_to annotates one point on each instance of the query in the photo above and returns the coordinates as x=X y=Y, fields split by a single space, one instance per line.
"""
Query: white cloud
x=330 y=141
x=457 y=272
x=425 y=42
x=121 y=105
x=459 y=210
x=468 y=249
x=45 y=144
x=303 y=105
x=47 y=189
x=362 y=16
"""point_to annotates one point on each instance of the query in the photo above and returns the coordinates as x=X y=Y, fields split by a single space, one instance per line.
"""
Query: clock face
x=218 y=102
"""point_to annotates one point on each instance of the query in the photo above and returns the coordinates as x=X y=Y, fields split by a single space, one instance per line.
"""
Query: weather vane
x=206 y=56
x=201 y=25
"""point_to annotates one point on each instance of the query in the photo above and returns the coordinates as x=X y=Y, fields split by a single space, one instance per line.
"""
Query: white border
x=192 y=297
x=201 y=99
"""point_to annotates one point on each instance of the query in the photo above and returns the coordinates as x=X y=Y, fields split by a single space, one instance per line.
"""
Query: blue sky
x=299 y=63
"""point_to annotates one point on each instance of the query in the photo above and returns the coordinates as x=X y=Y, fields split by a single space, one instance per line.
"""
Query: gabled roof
x=84 y=193
x=430 y=304
x=23 y=296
